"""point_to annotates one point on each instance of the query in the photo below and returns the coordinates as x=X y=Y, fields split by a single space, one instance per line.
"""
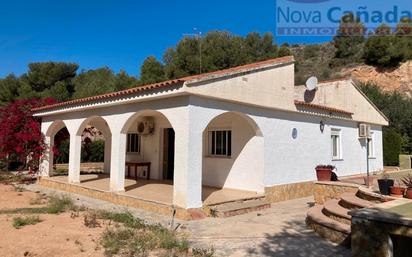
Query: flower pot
x=397 y=191
x=409 y=193
x=323 y=174
x=384 y=185
x=365 y=180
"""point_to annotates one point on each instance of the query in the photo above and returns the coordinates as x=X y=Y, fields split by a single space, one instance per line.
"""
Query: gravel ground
x=277 y=231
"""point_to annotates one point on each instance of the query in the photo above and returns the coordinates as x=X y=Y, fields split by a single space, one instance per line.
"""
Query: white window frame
x=338 y=134
x=129 y=143
x=227 y=151
x=371 y=146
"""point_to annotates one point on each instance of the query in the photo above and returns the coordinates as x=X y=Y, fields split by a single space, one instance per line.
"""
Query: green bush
x=93 y=151
x=135 y=238
x=391 y=147
x=19 y=221
x=59 y=203
x=63 y=152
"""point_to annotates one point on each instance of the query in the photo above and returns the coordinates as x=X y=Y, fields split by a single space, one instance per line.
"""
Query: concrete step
x=326 y=227
x=333 y=210
x=238 y=208
x=370 y=195
x=351 y=201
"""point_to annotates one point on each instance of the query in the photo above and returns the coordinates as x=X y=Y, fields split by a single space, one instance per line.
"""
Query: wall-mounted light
x=321 y=126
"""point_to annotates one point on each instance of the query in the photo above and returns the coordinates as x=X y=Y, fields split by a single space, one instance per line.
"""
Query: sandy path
x=11 y=199
x=56 y=235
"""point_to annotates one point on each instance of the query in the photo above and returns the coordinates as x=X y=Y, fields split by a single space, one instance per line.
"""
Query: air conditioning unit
x=364 y=130
x=146 y=126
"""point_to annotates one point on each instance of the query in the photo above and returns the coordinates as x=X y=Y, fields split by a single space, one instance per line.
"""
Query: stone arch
x=240 y=164
x=96 y=121
x=101 y=125
x=152 y=147
x=47 y=165
x=55 y=127
x=142 y=113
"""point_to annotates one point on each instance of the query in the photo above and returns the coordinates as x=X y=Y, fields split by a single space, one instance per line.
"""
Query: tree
x=20 y=136
x=152 y=71
x=9 y=89
x=391 y=147
x=382 y=48
x=94 y=82
x=284 y=51
x=396 y=138
x=349 y=40
x=218 y=50
x=404 y=38
x=124 y=81
x=44 y=75
x=101 y=81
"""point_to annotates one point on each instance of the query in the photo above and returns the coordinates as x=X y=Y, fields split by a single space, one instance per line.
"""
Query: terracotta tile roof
x=322 y=107
x=167 y=83
x=110 y=95
x=241 y=68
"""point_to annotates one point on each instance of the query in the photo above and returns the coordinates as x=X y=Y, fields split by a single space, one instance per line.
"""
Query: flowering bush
x=20 y=134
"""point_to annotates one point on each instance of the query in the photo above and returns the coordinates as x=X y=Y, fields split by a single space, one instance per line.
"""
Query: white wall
x=284 y=159
x=288 y=160
x=151 y=146
x=244 y=169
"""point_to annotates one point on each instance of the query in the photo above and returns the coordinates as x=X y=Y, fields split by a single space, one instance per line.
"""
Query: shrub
x=62 y=151
x=39 y=199
x=19 y=222
x=204 y=252
x=135 y=238
x=59 y=204
x=90 y=220
x=93 y=151
x=125 y=218
x=20 y=137
x=391 y=147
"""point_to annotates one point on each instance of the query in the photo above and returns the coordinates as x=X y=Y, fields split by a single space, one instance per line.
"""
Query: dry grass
x=21 y=221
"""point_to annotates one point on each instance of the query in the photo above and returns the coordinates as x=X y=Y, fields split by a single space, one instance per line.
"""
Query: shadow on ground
x=295 y=239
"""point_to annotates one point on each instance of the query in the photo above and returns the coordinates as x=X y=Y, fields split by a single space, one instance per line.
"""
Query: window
x=336 y=144
x=220 y=143
x=133 y=143
x=371 y=146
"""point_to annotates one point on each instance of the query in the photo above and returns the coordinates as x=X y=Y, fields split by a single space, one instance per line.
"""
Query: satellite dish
x=312 y=83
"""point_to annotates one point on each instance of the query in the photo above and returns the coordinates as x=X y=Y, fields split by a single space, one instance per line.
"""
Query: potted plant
x=407 y=181
x=324 y=172
x=397 y=189
x=385 y=183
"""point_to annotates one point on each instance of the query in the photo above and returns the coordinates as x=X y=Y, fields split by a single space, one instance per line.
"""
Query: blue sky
x=118 y=34
x=121 y=34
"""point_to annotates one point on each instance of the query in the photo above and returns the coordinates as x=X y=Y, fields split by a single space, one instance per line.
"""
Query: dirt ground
x=47 y=238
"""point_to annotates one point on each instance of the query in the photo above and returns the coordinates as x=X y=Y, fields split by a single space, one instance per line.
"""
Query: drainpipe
x=367 y=161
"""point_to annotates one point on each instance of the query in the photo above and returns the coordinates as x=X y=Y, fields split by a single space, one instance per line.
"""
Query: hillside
x=317 y=60
x=397 y=79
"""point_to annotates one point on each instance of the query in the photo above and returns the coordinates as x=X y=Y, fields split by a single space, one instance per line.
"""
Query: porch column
x=74 y=158
x=107 y=153
x=187 y=188
x=46 y=166
x=118 y=161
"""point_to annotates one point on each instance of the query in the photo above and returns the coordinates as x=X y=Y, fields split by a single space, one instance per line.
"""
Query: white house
x=247 y=128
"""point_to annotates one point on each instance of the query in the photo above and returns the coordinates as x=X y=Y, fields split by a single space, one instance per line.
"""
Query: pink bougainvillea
x=20 y=134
